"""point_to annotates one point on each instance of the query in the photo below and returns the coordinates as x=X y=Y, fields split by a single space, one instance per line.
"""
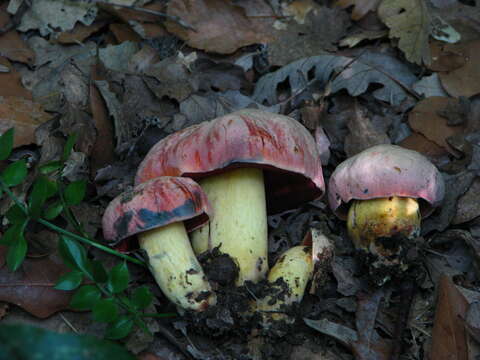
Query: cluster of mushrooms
x=218 y=180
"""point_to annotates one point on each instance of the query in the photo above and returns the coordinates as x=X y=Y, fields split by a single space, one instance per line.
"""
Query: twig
x=173 y=18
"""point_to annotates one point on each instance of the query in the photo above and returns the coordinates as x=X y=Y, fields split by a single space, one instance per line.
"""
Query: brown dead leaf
x=79 y=33
x=150 y=31
x=420 y=143
x=446 y=57
x=12 y=45
x=362 y=134
x=11 y=82
x=22 y=114
x=448 y=336
x=123 y=32
x=31 y=286
x=425 y=118
x=361 y=8
x=130 y=15
x=221 y=26
x=464 y=81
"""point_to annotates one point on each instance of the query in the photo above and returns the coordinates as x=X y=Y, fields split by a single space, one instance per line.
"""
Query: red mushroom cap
x=246 y=138
x=383 y=171
x=155 y=203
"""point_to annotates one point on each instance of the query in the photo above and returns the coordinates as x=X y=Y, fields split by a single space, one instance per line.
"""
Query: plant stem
x=90 y=242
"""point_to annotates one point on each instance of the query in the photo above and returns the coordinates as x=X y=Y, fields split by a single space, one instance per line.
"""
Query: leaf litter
x=123 y=77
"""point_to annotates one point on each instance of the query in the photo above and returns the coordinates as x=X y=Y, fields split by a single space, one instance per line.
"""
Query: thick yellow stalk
x=176 y=268
x=239 y=223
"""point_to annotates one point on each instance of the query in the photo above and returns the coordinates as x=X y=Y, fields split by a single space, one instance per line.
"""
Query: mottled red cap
x=383 y=171
x=155 y=203
x=246 y=138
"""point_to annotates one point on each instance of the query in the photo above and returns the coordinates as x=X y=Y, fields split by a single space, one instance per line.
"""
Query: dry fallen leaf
x=361 y=8
x=221 y=26
x=22 y=114
x=79 y=33
x=448 y=336
x=465 y=80
x=11 y=81
x=31 y=286
x=362 y=134
x=468 y=205
x=425 y=118
x=409 y=21
x=420 y=143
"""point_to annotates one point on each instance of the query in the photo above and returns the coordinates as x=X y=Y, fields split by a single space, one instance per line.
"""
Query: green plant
x=97 y=289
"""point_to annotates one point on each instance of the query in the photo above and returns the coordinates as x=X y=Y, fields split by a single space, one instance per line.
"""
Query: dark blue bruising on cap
x=151 y=219
x=121 y=225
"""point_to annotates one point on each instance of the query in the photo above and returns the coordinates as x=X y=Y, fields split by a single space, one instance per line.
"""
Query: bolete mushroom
x=383 y=193
x=160 y=212
x=246 y=162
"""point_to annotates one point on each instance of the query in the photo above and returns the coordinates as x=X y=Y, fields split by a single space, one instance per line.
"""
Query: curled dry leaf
x=31 y=287
x=79 y=33
x=465 y=80
x=468 y=205
x=448 y=336
x=221 y=26
x=22 y=114
x=425 y=118
x=12 y=45
x=409 y=21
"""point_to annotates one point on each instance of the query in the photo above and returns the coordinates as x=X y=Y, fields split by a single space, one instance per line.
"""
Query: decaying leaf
x=361 y=8
x=426 y=118
x=352 y=74
x=31 y=287
x=79 y=33
x=448 y=337
x=362 y=134
x=47 y=15
x=321 y=28
x=429 y=86
x=465 y=80
x=468 y=205
x=409 y=21
x=22 y=114
x=420 y=143
x=220 y=26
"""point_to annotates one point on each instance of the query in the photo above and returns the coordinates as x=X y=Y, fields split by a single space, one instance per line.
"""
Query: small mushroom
x=383 y=193
x=246 y=162
x=160 y=212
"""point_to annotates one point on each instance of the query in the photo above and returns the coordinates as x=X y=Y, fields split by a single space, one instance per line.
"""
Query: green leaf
x=50 y=167
x=141 y=297
x=38 y=196
x=74 y=255
x=69 y=281
x=120 y=328
x=52 y=188
x=12 y=234
x=105 y=310
x=85 y=297
x=6 y=144
x=53 y=210
x=16 y=253
x=99 y=272
x=24 y=342
x=15 y=215
x=67 y=149
x=118 y=278
x=15 y=173
x=75 y=192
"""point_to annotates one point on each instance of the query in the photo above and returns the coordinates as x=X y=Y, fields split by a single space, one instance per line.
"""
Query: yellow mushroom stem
x=295 y=267
x=176 y=268
x=239 y=223
x=372 y=222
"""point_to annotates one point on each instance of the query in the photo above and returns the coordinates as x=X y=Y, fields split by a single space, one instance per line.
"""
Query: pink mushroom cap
x=246 y=138
x=153 y=204
x=384 y=171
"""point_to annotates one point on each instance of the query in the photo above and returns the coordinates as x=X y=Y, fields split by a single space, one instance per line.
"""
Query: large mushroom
x=383 y=193
x=246 y=162
x=160 y=212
